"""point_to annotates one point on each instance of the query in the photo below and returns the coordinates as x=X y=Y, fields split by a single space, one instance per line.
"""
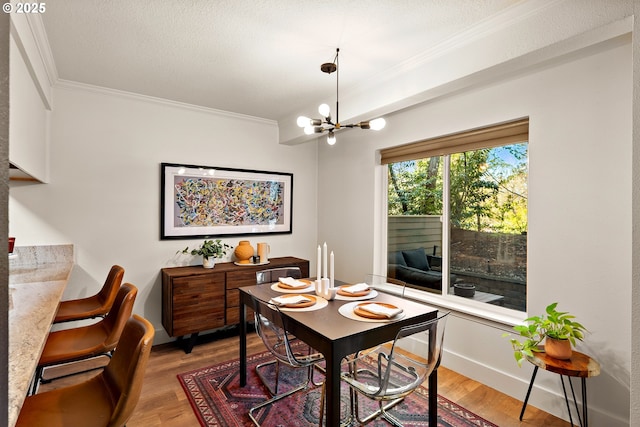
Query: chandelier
x=326 y=124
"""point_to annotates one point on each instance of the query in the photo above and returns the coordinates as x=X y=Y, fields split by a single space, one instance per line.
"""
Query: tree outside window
x=487 y=219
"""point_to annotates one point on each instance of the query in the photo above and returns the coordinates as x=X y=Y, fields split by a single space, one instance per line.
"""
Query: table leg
x=243 y=345
x=575 y=402
x=526 y=399
x=332 y=390
x=433 y=399
x=566 y=399
x=584 y=402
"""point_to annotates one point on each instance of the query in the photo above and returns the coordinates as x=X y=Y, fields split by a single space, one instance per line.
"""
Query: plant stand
x=580 y=365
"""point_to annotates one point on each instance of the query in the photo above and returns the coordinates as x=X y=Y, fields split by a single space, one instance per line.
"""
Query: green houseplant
x=555 y=327
x=209 y=250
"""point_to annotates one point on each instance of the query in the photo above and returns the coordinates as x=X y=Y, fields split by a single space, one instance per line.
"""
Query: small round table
x=580 y=365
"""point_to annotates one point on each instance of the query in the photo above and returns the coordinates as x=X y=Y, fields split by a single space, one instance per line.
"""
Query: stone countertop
x=38 y=276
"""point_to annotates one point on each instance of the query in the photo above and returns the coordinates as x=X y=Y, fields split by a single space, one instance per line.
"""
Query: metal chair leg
x=272 y=390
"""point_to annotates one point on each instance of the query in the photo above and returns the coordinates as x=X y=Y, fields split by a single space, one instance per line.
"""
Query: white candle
x=324 y=260
x=331 y=269
x=319 y=265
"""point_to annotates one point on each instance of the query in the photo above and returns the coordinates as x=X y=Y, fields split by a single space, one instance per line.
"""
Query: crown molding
x=44 y=48
x=41 y=41
x=77 y=86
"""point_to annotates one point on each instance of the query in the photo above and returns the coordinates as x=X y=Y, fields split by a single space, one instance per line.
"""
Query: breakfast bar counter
x=38 y=276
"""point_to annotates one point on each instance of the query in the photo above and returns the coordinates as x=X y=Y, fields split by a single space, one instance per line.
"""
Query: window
x=458 y=215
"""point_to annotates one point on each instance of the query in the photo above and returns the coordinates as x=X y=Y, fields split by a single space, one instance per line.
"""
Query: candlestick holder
x=325 y=290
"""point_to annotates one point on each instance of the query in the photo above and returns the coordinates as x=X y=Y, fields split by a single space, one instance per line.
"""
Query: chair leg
x=309 y=383
x=272 y=390
x=381 y=412
x=35 y=383
x=43 y=380
x=273 y=400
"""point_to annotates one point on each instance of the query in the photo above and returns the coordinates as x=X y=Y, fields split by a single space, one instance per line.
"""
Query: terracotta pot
x=243 y=252
x=558 y=349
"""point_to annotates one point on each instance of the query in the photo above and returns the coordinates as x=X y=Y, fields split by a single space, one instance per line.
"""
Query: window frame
x=494 y=315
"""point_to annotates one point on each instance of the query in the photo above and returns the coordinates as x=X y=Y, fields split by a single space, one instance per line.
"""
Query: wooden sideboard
x=196 y=299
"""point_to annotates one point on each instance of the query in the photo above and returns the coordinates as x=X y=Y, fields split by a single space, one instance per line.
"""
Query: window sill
x=492 y=315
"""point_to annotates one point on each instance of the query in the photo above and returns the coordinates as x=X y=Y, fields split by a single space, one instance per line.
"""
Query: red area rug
x=218 y=400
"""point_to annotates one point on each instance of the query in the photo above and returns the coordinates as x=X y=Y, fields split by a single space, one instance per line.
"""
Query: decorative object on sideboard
x=243 y=252
x=467 y=290
x=210 y=250
x=12 y=242
x=263 y=252
x=553 y=326
x=326 y=124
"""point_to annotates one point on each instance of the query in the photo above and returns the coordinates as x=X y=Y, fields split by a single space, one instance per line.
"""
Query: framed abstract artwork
x=207 y=201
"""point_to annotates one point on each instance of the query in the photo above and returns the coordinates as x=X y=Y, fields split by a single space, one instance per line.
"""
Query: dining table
x=337 y=336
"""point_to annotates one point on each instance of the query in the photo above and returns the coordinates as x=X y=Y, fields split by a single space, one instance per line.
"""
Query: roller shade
x=485 y=137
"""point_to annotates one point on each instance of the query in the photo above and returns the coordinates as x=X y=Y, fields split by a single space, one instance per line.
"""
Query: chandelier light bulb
x=331 y=138
x=303 y=121
x=324 y=110
x=377 y=124
x=309 y=130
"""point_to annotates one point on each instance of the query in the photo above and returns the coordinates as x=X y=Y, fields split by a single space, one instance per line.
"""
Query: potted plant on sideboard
x=557 y=329
x=210 y=250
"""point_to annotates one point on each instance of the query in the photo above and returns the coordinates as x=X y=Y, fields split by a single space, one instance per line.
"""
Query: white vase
x=208 y=262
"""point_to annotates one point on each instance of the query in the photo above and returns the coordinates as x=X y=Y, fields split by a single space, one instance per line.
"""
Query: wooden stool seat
x=97 y=305
x=579 y=365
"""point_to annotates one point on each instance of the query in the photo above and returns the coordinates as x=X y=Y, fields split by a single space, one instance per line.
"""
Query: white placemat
x=320 y=304
x=370 y=295
x=347 y=311
x=309 y=289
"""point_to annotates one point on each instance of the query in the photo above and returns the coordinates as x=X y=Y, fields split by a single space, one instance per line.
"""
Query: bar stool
x=86 y=342
x=580 y=365
x=105 y=400
x=97 y=305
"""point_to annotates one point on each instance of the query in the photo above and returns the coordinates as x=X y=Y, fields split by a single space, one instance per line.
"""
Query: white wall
x=104 y=194
x=580 y=225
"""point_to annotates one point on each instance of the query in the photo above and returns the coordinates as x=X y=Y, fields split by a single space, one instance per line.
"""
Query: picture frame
x=210 y=201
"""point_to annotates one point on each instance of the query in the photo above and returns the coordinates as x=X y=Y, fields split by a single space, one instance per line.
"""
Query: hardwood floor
x=163 y=402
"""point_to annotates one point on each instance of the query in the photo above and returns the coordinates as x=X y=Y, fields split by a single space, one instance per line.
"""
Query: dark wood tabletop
x=337 y=336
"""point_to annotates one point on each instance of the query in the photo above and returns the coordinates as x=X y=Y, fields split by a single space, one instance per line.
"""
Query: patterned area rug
x=218 y=400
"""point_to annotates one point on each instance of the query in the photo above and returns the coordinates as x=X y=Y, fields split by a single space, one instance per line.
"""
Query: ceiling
x=255 y=57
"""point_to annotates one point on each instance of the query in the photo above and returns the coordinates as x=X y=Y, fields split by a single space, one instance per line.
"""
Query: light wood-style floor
x=163 y=402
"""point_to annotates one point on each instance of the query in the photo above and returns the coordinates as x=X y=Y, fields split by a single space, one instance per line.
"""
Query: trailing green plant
x=209 y=249
x=555 y=324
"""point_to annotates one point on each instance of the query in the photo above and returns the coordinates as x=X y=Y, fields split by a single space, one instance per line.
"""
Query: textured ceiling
x=256 y=57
